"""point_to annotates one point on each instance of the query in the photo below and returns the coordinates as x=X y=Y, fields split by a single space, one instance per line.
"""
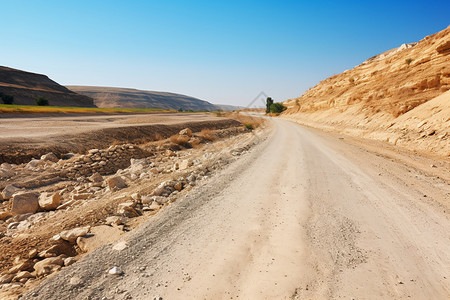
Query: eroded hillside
x=26 y=87
x=387 y=97
x=111 y=97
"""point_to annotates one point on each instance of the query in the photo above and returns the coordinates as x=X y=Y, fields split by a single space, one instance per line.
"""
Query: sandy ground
x=424 y=129
x=24 y=138
x=304 y=215
x=38 y=126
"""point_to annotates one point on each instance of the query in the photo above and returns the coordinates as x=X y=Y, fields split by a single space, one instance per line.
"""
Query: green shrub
x=269 y=102
x=277 y=108
x=41 y=101
x=249 y=126
x=408 y=61
x=7 y=99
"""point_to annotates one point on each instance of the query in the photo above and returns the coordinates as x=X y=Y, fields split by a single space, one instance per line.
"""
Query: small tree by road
x=277 y=108
x=269 y=102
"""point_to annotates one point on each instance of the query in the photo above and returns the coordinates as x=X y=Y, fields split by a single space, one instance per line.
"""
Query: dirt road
x=302 y=216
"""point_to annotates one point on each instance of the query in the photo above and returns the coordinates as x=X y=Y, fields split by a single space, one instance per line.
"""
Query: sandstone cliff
x=399 y=96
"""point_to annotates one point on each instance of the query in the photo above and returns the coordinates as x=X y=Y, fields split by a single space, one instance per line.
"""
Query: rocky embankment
x=20 y=149
x=400 y=96
x=50 y=169
x=54 y=210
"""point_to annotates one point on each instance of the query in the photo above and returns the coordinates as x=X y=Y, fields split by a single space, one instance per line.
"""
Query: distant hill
x=111 y=97
x=26 y=87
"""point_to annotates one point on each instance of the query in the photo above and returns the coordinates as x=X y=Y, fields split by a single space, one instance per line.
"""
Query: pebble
x=75 y=280
x=115 y=271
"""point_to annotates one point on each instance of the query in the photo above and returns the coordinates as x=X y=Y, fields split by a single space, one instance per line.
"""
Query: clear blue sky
x=224 y=52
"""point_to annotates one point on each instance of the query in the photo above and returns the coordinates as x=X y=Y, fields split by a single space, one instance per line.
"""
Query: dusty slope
x=303 y=216
x=131 y=98
x=26 y=87
x=384 y=97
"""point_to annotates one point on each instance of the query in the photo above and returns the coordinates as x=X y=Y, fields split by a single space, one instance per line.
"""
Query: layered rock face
x=385 y=96
x=393 y=82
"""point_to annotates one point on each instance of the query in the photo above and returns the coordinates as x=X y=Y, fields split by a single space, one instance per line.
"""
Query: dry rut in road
x=302 y=216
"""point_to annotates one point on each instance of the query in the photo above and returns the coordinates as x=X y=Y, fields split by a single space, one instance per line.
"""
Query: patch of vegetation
x=249 y=126
x=158 y=137
x=7 y=99
x=269 y=102
x=408 y=61
x=181 y=140
x=297 y=102
x=31 y=109
x=207 y=134
x=41 y=101
x=244 y=119
x=277 y=108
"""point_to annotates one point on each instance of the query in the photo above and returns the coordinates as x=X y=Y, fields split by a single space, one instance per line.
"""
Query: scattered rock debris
x=61 y=202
